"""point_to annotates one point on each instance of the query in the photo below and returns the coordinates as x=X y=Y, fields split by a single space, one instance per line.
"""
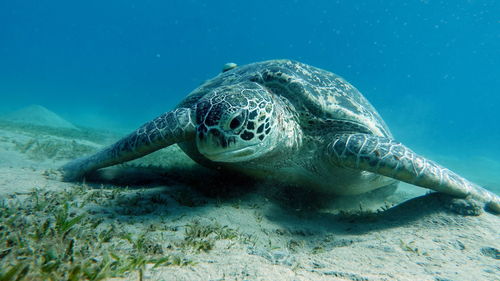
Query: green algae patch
x=46 y=235
x=201 y=237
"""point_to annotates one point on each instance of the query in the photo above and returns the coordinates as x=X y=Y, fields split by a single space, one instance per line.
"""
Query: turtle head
x=236 y=123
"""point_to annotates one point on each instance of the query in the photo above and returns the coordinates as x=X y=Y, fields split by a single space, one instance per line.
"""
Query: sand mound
x=38 y=115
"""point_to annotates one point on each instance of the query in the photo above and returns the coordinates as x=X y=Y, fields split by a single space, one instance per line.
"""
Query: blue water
x=430 y=67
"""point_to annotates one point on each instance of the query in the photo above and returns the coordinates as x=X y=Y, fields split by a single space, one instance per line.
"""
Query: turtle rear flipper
x=392 y=159
x=167 y=129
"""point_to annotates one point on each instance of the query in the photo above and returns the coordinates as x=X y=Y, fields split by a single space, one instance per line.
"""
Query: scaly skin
x=392 y=159
x=167 y=129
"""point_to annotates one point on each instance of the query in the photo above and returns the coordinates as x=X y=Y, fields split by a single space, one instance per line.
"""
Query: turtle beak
x=215 y=146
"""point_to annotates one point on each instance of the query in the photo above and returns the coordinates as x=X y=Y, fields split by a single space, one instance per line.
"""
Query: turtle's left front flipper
x=169 y=128
x=392 y=159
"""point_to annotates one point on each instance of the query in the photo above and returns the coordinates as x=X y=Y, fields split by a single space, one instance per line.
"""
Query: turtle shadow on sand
x=207 y=182
x=409 y=212
x=310 y=209
x=185 y=186
x=289 y=206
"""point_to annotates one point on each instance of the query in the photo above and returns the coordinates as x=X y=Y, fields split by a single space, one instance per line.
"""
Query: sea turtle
x=288 y=121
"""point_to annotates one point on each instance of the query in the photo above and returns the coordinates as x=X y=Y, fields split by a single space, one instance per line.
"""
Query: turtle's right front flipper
x=169 y=128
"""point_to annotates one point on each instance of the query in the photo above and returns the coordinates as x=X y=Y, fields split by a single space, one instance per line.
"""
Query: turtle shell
x=318 y=97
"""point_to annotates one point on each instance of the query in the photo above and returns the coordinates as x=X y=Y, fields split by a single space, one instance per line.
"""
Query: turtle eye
x=237 y=121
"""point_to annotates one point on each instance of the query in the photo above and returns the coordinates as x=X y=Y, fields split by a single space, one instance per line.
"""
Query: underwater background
x=431 y=68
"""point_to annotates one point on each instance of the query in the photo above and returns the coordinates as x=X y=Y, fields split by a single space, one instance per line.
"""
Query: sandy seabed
x=195 y=224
